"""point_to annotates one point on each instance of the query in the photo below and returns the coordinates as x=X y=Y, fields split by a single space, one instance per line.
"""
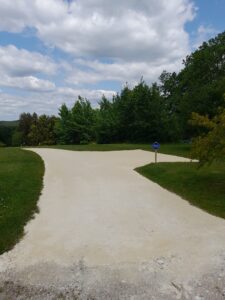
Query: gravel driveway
x=106 y=232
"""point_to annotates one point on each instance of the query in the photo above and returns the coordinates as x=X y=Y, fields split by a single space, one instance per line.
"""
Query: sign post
x=156 y=147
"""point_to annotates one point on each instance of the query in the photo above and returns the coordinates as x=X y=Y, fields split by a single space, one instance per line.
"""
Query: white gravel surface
x=106 y=232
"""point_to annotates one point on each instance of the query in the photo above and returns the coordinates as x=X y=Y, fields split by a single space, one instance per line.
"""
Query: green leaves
x=34 y=130
x=210 y=145
x=76 y=125
x=134 y=115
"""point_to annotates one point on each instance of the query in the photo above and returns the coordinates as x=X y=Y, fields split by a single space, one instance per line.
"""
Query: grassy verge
x=204 y=187
x=182 y=150
x=21 y=174
x=173 y=149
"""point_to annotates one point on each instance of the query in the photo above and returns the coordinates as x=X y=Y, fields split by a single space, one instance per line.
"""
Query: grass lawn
x=21 y=174
x=173 y=149
x=204 y=187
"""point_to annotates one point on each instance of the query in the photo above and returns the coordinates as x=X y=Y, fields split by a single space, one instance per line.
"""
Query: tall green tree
x=203 y=79
x=76 y=125
x=198 y=87
x=83 y=121
x=171 y=106
x=26 y=121
x=134 y=115
x=107 y=122
x=42 y=131
x=63 y=127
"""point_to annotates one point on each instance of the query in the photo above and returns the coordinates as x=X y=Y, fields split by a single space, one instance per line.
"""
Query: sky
x=51 y=51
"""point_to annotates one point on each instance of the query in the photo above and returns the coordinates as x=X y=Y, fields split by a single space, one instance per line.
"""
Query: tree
x=169 y=89
x=123 y=107
x=210 y=145
x=26 y=120
x=63 y=126
x=198 y=87
x=107 y=122
x=134 y=115
x=147 y=106
x=42 y=131
x=204 y=78
x=76 y=125
x=83 y=121
x=35 y=130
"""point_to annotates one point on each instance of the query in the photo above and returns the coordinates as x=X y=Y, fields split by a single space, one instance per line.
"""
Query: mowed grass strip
x=21 y=179
x=172 y=149
x=203 y=187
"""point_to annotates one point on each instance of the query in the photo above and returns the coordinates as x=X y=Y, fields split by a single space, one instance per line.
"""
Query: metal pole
x=155 y=155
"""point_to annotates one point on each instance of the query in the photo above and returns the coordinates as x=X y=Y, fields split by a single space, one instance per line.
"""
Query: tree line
x=161 y=111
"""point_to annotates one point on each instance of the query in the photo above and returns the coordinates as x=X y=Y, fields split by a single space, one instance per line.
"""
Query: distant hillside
x=9 y=123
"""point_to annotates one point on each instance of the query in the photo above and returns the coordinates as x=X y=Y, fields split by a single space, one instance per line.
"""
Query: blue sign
x=156 y=146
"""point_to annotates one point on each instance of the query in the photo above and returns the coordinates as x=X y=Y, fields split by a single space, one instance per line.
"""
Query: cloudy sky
x=51 y=51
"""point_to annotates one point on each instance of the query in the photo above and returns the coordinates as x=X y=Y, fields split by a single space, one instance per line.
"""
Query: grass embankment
x=21 y=174
x=204 y=187
x=173 y=149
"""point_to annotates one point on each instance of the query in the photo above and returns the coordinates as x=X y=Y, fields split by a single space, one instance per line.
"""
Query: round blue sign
x=156 y=146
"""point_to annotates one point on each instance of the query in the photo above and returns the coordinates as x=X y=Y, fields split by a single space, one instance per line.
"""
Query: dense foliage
x=210 y=145
x=76 y=125
x=136 y=115
x=199 y=87
x=35 y=130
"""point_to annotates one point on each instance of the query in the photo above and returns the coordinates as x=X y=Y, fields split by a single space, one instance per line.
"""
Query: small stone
x=160 y=261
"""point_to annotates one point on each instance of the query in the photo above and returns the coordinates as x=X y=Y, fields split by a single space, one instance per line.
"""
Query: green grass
x=182 y=150
x=173 y=149
x=204 y=187
x=21 y=174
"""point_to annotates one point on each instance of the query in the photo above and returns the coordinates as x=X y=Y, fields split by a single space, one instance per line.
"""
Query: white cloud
x=120 y=40
x=29 y=83
x=119 y=71
x=127 y=29
x=11 y=106
x=20 y=62
x=17 y=14
x=18 y=67
x=134 y=38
